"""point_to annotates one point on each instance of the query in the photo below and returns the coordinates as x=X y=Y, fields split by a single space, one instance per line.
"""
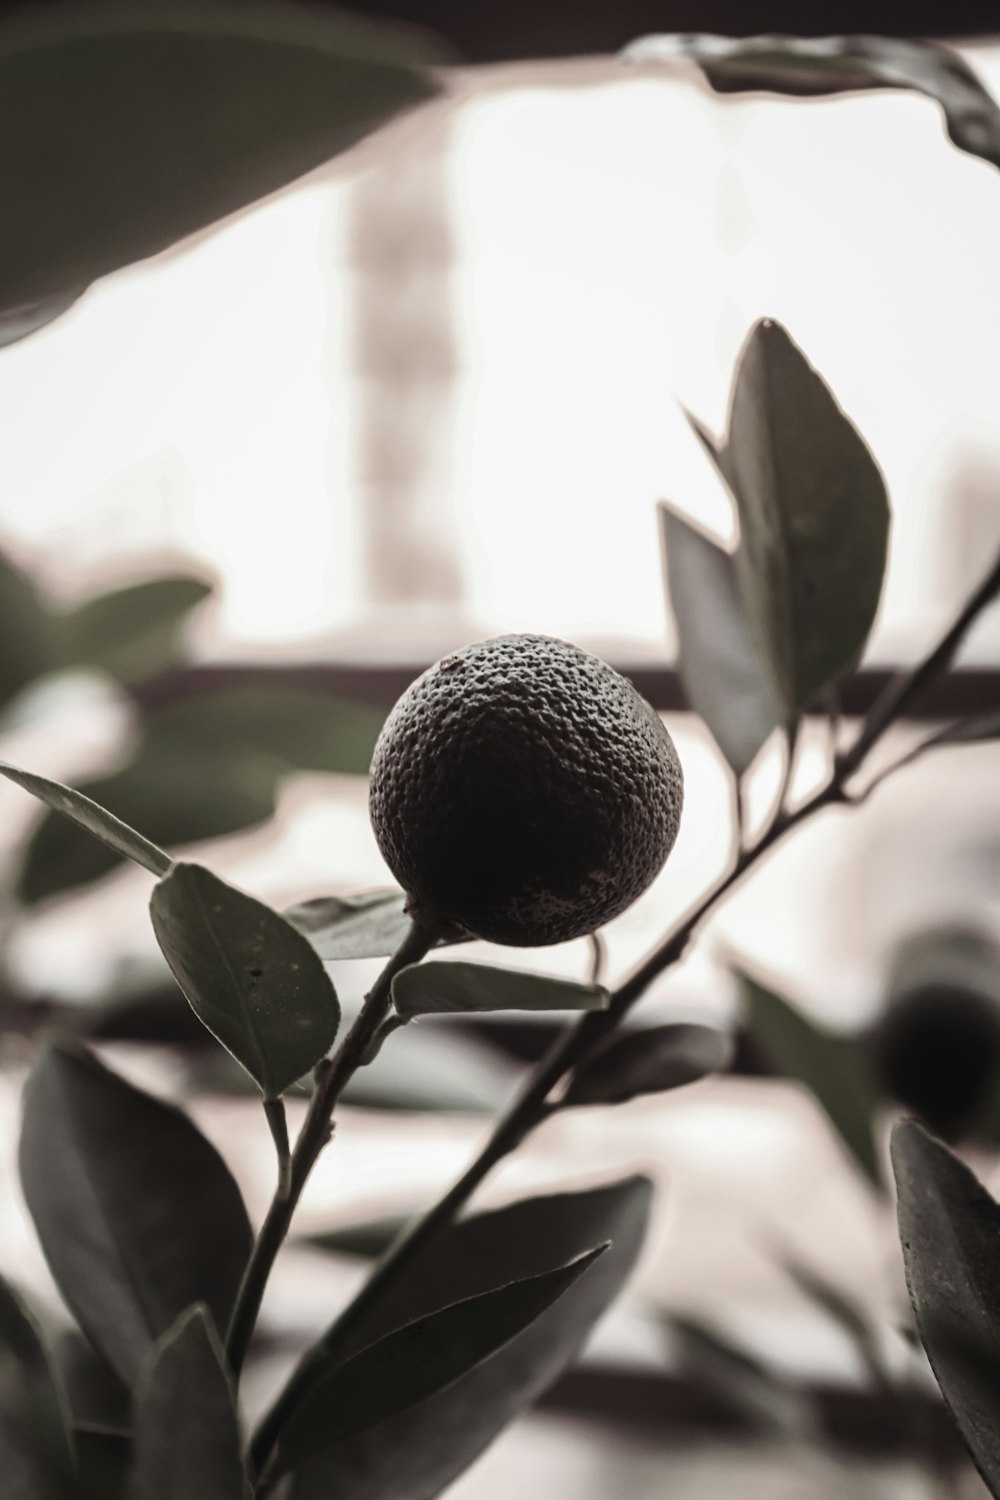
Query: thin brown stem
x=598 y=958
x=906 y=686
x=277 y=1122
x=316 y=1131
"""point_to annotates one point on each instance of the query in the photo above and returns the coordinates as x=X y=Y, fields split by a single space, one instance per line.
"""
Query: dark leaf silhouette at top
x=809 y=67
x=127 y=127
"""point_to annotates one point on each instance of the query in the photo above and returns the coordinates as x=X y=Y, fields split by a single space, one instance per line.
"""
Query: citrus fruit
x=523 y=791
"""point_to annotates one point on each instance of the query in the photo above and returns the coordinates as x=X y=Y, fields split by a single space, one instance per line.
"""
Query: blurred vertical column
x=403 y=367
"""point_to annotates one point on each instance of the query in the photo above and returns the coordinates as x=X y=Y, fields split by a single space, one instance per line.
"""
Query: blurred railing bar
x=971 y=690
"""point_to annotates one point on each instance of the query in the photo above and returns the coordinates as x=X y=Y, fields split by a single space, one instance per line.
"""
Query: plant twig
x=598 y=958
x=314 y=1135
x=277 y=1121
x=906 y=686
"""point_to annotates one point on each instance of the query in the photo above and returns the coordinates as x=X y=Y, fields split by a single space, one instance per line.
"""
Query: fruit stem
x=331 y=1078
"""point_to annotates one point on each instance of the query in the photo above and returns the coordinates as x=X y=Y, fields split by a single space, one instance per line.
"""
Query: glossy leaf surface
x=249 y=976
x=950 y=1227
x=420 y=1359
x=814 y=519
x=416 y=1454
x=96 y=820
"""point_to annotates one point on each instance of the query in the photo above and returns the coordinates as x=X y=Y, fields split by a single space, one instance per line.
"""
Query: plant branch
x=277 y=1122
x=598 y=958
x=528 y=1107
x=331 y=1077
x=530 y=1104
x=906 y=686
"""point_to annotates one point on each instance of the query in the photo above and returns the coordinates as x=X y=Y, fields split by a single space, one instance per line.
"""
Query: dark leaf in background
x=936 y=1044
x=366 y=1240
x=35 y=1455
x=129 y=126
x=416 y=1454
x=370 y=924
x=98 y=1399
x=206 y=767
x=835 y=1068
x=25 y=640
x=449 y=988
x=187 y=1436
x=104 y=1461
x=300 y=730
x=407 y=1367
x=846 y=1313
x=128 y=1257
x=725 y=681
x=131 y=632
x=650 y=1060
x=814 y=519
x=950 y=1228
x=178 y=799
x=249 y=976
x=424 y=1071
x=813 y=66
x=737 y=1380
x=111 y=832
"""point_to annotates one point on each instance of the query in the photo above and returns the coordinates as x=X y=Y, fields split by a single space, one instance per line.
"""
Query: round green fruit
x=523 y=791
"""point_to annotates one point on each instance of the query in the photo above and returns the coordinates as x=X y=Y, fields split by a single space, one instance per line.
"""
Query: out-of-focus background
x=431 y=394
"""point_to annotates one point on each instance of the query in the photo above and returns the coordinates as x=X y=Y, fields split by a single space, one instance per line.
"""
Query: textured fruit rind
x=523 y=790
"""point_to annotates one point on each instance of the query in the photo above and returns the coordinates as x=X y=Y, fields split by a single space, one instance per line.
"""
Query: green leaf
x=417 y=1361
x=131 y=632
x=812 y=66
x=367 y=1239
x=97 y=820
x=406 y=1456
x=138 y=1215
x=187 y=1436
x=179 y=799
x=739 y=1382
x=950 y=1227
x=846 y=1313
x=248 y=975
x=835 y=1068
x=298 y=730
x=134 y=125
x=650 y=1060
x=207 y=766
x=447 y=988
x=725 y=682
x=814 y=519
x=35 y=1453
x=25 y=625
x=370 y=924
